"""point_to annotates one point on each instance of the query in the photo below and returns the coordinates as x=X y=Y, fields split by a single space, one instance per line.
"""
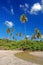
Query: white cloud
x=28 y=36
x=24 y=7
x=42 y=5
x=42 y=1
x=21 y=6
x=9 y=23
x=12 y=11
x=35 y=8
x=5 y=9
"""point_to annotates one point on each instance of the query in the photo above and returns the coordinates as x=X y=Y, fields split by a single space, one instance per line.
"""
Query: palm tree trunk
x=25 y=32
x=25 y=29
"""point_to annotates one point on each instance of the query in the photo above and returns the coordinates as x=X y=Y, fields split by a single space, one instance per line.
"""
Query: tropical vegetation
x=20 y=45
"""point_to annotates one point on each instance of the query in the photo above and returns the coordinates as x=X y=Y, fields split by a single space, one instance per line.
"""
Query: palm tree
x=17 y=34
x=36 y=30
x=20 y=34
x=13 y=29
x=24 y=19
x=13 y=37
x=33 y=37
x=26 y=38
x=37 y=34
x=8 y=30
x=12 y=33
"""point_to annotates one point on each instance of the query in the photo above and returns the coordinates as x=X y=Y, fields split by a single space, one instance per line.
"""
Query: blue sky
x=10 y=12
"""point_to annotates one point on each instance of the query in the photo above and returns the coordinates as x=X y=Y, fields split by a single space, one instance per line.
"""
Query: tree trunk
x=25 y=32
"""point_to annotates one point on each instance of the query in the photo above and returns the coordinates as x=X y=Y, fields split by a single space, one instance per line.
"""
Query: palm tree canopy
x=8 y=30
x=33 y=36
x=39 y=35
x=23 y=18
x=37 y=30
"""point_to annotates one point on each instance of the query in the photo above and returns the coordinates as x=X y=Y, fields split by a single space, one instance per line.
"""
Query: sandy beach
x=7 y=57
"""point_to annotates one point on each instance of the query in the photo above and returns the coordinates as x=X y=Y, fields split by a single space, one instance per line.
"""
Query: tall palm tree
x=8 y=32
x=24 y=19
x=12 y=32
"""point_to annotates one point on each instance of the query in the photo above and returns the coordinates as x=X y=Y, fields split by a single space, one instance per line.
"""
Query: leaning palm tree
x=24 y=19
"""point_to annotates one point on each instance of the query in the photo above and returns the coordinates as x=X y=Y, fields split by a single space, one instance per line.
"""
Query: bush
x=21 y=45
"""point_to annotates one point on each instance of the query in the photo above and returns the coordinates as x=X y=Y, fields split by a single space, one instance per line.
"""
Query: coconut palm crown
x=8 y=30
x=23 y=18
